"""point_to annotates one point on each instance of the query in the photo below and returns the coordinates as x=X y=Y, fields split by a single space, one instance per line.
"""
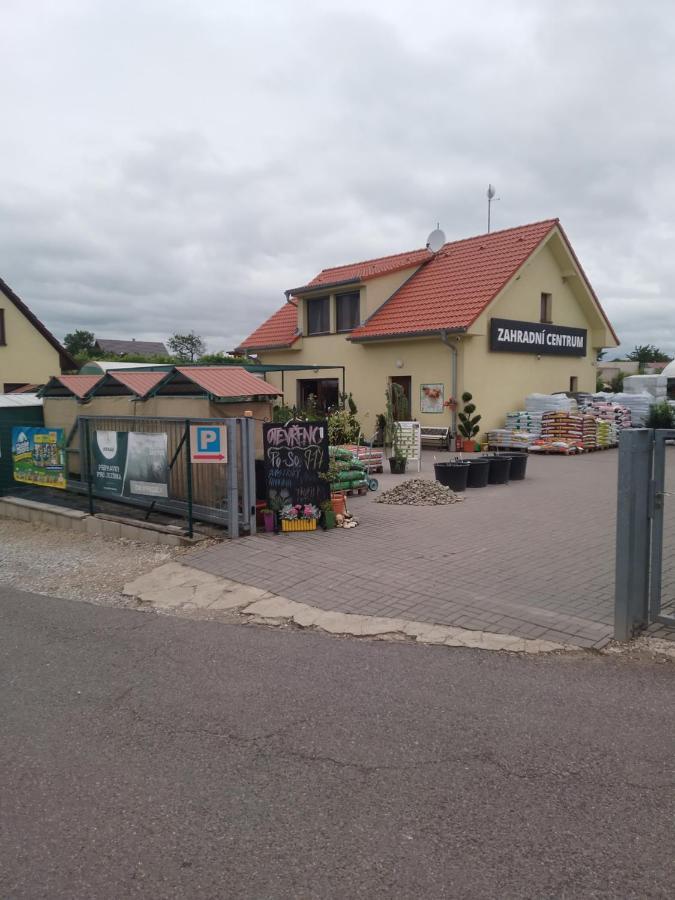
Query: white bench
x=437 y=435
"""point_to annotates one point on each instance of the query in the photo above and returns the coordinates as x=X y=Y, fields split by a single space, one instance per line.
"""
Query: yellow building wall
x=368 y=369
x=27 y=357
x=498 y=381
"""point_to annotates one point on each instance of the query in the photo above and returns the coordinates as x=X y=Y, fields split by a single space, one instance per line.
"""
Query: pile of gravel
x=419 y=492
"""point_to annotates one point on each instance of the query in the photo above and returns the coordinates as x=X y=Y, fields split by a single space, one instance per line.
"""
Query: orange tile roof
x=448 y=291
x=139 y=383
x=457 y=284
x=277 y=331
x=80 y=385
x=371 y=268
x=227 y=381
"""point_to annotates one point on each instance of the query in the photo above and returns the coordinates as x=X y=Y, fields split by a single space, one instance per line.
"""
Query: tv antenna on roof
x=491 y=191
x=436 y=239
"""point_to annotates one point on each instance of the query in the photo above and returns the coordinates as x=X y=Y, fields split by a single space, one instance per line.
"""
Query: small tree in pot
x=396 y=408
x=468 y=423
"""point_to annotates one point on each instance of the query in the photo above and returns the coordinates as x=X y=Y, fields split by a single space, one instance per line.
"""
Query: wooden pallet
x=355 y=492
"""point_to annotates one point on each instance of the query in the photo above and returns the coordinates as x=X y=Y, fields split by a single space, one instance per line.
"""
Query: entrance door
x=325 y=392
x=405 y=382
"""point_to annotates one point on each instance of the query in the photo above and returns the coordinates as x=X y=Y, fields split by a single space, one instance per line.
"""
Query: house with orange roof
x=500 y=315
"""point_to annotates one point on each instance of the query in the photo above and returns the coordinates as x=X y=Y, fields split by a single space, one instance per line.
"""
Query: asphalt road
x=147 y=756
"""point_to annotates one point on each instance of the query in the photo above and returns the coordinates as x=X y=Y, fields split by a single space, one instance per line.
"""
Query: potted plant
x=468 y=423
x=396 y=408
x=269 y=520
x=328 y=514
x=661 y=415
x=299 y=517
x=398 y=460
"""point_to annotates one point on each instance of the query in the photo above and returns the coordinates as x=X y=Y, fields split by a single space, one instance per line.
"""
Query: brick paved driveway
x=534 y=558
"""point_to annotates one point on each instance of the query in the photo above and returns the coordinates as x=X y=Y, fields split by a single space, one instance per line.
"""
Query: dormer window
x=347 y=311
x=318 y=315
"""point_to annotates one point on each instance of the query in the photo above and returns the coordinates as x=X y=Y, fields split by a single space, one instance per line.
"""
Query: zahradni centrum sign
x=533 y=337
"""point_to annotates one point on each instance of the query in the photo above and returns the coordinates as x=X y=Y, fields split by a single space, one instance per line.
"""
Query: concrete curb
x=179 y=588
x=80 y=522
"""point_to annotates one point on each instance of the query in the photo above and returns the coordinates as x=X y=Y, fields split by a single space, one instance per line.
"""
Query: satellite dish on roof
x=435 y=240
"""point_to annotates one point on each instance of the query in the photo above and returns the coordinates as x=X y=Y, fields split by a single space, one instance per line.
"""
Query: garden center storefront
x=501 y=316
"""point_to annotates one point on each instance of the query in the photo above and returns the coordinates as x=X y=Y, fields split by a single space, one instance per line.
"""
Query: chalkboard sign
x=295 y=456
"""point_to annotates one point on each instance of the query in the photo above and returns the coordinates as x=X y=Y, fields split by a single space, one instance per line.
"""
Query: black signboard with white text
x=510 y=336
x=296 y=454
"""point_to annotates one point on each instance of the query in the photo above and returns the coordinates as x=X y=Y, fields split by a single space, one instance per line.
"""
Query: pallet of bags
x=589 y=432
x=371 y=457
x=542 y=403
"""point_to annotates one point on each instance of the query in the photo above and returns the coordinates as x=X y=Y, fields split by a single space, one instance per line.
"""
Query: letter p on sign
x=208 y=443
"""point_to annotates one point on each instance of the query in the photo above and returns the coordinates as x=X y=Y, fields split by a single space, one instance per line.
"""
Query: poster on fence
x=38 y=456
x=130 y=463
x=296 y=455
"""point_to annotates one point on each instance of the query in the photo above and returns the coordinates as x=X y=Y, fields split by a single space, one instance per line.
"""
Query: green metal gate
x=221 y=493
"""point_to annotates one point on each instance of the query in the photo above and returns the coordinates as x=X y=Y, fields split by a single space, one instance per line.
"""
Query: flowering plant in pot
x=299 y=517
x=468 y=423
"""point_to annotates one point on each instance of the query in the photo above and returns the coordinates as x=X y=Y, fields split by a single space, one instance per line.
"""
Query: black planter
x=397 y=466
x=499 y=469
x=452 y=474
x=518 y=466
x=479 y=469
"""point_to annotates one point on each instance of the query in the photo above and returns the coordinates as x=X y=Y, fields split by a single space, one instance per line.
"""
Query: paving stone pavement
x=533 y=558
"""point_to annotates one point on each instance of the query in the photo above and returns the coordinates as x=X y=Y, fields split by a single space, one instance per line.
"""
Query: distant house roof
x=226 y=382
x=448 y=291
x=66 y=361
x=279 y=331
x=131 y=348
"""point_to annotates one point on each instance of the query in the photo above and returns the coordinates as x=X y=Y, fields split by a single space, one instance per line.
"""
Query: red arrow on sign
x=208 y=456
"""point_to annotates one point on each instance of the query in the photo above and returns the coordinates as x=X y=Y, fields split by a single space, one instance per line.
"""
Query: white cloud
x=169 y=165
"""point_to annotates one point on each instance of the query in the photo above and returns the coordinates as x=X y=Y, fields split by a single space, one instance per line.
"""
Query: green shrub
x=661 y=415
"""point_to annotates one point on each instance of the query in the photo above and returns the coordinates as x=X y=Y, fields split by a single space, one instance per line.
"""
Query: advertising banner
x=511 y=336
x=130 y=463
x=38 y=456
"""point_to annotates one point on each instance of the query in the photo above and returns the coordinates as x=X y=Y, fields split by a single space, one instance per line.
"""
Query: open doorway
x=324 y=390
x=405 y=382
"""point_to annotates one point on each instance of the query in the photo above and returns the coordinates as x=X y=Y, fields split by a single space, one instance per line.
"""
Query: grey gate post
x=231 y=474
x=633 y=532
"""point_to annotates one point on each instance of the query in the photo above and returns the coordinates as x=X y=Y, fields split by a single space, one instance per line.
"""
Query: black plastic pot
x=479 y=469
x=452 y=474
x=397 y=466
x=499 y=469
x=518 y=466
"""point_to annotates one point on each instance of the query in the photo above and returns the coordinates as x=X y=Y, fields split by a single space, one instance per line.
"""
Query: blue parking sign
x=208 y=443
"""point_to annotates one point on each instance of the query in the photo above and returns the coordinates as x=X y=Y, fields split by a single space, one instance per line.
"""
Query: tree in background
x=80 y=343
x=616 y=383
x=647 y=353
x=187 y=347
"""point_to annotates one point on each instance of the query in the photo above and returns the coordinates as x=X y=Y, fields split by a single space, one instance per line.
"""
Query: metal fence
x=645 y=532
x=221 y=493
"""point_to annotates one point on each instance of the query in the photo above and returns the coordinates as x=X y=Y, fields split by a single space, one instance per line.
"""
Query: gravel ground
x=75 y=566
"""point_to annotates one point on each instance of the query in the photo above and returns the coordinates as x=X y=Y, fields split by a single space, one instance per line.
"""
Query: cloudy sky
x=168 y=165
